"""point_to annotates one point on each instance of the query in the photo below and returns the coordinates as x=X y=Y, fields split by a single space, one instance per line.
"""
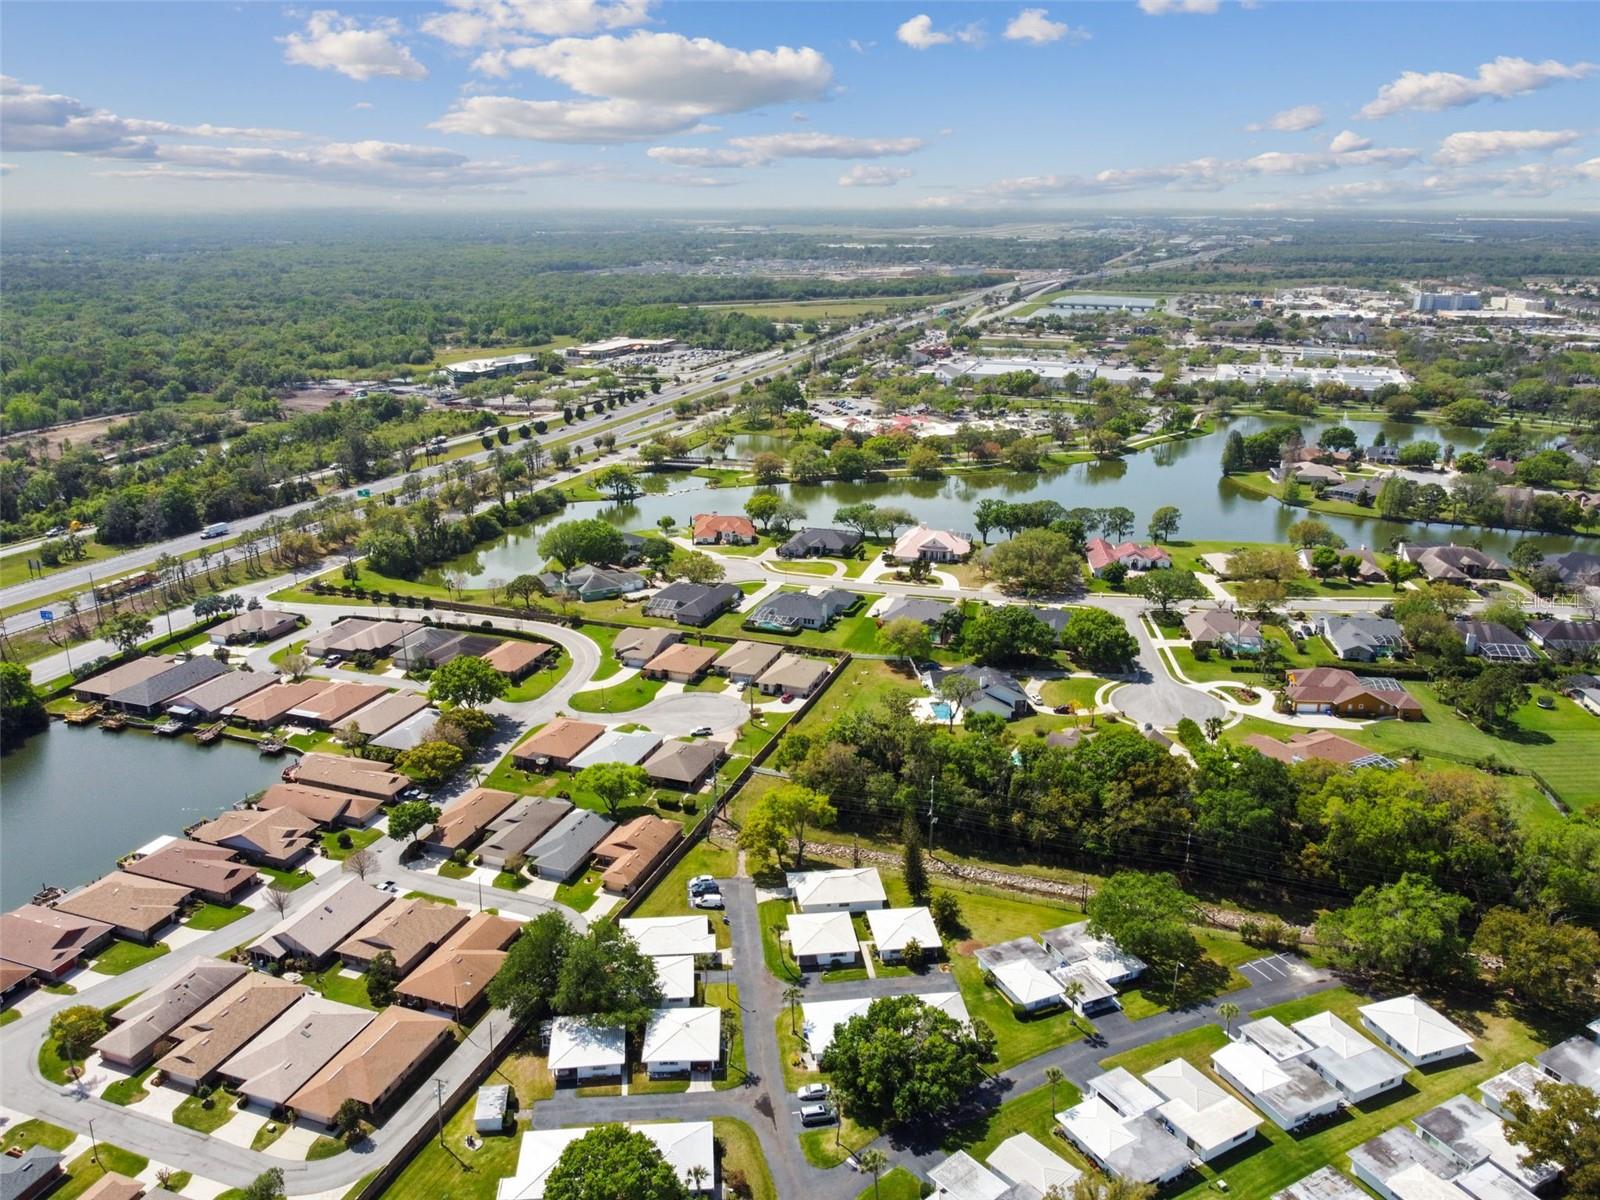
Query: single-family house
x=1579 y=638
x=1469 y=1134
x=215 y=696
x=407 y=930
x=921 y=544
x=1321 y=745
x=680 y=1041
x=815 y=543
x=993 y=691
x=593 y=583
x=742 y=662
x=217 y=1031
x=1347 y=1060
x=1032 y=1168
x=554 y=746
x=662 y=937
x=893 y=929
x=266 y=707
x=150 y=695
x=938 y=615
x=330 y=707
x=721 y=529
x=1493 y=641
x=785 y=612
x=1488 y=1182
x=1367 y=568
x=819 y=1019
x=254 y=625
x=514 y=831
x=375 y=1064
x=324 y=806
x=135 y=907
x=1134 y=1147
x=1100 y=554
x=1219 y=629
x=688 y=1147
x=354 y=635
x=564 y=851
x=287 y=1053
x=1361 y=637
x=962 y=1177
x=211 y=872
x=684 y=765
x=463 y=821
x=315 y=933
x=30 y=1173
x=1575 y=568
x=1521 y=1080
x=794 y=675
x=107 y=683
x=1378 y=1161
x=1362 y=490
x=1274 y=1039
x=517 y=659
x=1576 y=1060
x=681 y=663
x=1289 y=1092
x=635 y=647
x=358 y=776
x=1415 y=1031
x=819 y=941
x=1200 y=1111
x=49 y=941
x=633 y=851
x=1324 y=1183
x=696 y=604
x=677 y=979
x=1345 y=694
x=584 y=1051
x=1056 y=618
x=615 y=746
x=1072 y=946
x=848 y=889
x=1451 y=563
x=383 y=714
x=141 y=1028
x=455 y=977
x=1020 y=969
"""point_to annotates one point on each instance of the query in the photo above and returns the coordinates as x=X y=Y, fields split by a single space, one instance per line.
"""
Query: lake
x=1183 y=473
x=77 y=799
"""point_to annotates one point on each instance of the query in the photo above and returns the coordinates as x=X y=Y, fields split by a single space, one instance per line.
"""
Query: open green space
x=605 y=637
x=726 y=996
x=267 y=1134
x=123 y=955
x=345 y=989
x=580 y=895
x=216 y=916
x=634 y=692
x=359 y=839
x=541 y=681
x=325 y=1147
x=742 y=1158
x=898 y=1184
x=1076 y=691
x=205 y=1114
x=861 y=685
x=833 y=1144
x=1031 y=1112
x=287 y=880
x=130 y=1090
x=89 y=1167
x=35 y=1132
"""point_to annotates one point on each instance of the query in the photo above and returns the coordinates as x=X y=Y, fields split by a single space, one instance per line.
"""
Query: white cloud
x=701 y=156
x=863 y=175
x=919 y=33
x=825 y=145
x=1501 y=79
x=859 y=46
x=1160 y=8
x=472 y=23
x=1470 y=146
x=1291 y=120
x=6 y=168
x=33 y=119
x=1034 y=25
x=587 y=121
x=331 y=42
x=1348 y=140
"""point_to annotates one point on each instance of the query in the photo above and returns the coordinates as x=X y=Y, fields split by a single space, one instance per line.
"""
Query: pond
x=77 y=799
x=1183 y=473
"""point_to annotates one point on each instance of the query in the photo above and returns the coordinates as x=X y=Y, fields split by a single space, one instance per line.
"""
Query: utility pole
x=438 y=1091
x=95 y=1154
x=932 y=820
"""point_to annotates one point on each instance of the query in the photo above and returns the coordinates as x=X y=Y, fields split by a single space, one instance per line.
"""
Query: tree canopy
x=611 y=1162
x=903 y=1060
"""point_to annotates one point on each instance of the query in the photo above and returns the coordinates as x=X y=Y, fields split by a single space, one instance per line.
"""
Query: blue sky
x=1200 y=105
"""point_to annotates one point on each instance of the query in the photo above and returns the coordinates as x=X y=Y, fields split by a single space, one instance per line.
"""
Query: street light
x=1176 y=967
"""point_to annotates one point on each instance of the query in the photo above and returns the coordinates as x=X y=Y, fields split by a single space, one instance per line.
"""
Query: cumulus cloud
x=825 y=145
x=864 y=175
x=1348 y=140
x=331 y=42
x=701 y=156
x=919 y=33
x=1291 y=120
x=1160 y=8
x=33 y=119
x=1470 y=146
x=1434 y=91
x=1034 y=25
x=589 y=121
x=472 y=23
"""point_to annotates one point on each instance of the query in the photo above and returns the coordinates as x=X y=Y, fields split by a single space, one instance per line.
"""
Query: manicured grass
x=774 y=917
x=84 y=1171
x=711 y=683
x=216 y=916
x=790 y=1050
x=1077 y=692
x=605 y=637
x=898 y=1184
x=450 y=870
x=1016 y=1040
x=341 y=988
x=541 y=681
x=267 y=1134
x=640 y=1083
x=633 y=692
x=670 y=897
x=845 y=975
x=130 y=1090
x=359 y=839
x=741 y=1154
x=580 y=896
x=36 y=1133
x=179 y=1180
x=430 y=896
x=1031 y=1112
x=125 y=956
x=1196 y=1045
x=52 y=1066
x=325 y=1147
x=206 y=1115
x=9 y=1016
x=810 y=568
x=287 y=880
x=510 y=882
x=726 y=995
x=1214 y=974
x=830 y=1145
x=859 y=686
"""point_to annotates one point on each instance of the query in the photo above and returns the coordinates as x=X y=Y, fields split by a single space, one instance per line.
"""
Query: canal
x=74 y=800
x=1185 y=473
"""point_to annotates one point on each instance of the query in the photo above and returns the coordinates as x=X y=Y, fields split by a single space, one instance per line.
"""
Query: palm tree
x=1229 y=1012
x=1070 y=992
x=697 y=1176
x=791 y=997
x=1053 y=1076
x=873 y=1161
x=1095 y=1186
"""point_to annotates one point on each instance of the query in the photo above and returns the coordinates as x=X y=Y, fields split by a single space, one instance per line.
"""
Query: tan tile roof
x=634 y=848
x=194 y=864
x=683 y=762
x=360 y=776
x=112 y=1186
x=286 y=1054
x=457 y=973
x=469 y=815
x=212 y=1036
x=562 y=738
x=276 y=833
x=407 y=929
x=140 y=1025
x=683 y=659
x=748 y=658
x=794 y=671
x=512 y=656
x=646 y=642
x=270 y=704
x=377 y=1058
x=47 y=939
x=127 y=901
x=337 y=701
x=322 y=805
x=712 y=524
x=1321 y=744
x=128 y=674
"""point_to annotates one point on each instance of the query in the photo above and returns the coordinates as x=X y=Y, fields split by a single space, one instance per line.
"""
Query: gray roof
x=283 y=1057
x=785 y=608
x=1056 y=618
x=20 y=1175
x=1393 y=1150
x=828 y=541
x=175 y=679
x=317 y=930
x=256 y=621
x=915 y=608
x=161 y=1009
x=1574 y=567
x=216 y=694
x=683 y=762
x=1358 y=1072
x=523 y=824
x=644 y=643
x=1276 y=1039
x=568 y=845
x=1022 y=949
x=995 y=685
x=693 y=602
x=1361 y=630
x=1488 y=1182
x=1576 y=1060
x=1322 y=1184
x=1586 y=633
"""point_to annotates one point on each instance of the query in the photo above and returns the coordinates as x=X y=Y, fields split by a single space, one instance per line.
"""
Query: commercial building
x=1431 y=302
x=617 y=347
x=475 y=370
x=1089 y=303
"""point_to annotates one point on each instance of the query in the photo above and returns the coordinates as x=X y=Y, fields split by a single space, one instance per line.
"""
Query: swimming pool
x=941 y=710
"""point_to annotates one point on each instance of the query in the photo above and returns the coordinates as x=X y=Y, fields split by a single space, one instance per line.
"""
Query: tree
x=1053 y=1076
x=574 y=543
x=618 y=482
x=1116 y=522
x=431 y=763
x=903 y=1060
x=360 y=862
x=611 y=1162
x=1147 y=915
x=1164 y=523
x=407 y=817
x=781 y=816
x=1545 y=965
x=125 y=630
x=1261 y=596
x=606 y=976
x=1036 y=562
x=75 y=1030
x=924 y=463
x=1409 y=929
x=266 y=1186
x=955 y=690
x=22 y=710
x=1007 y=634
x=1561 y=1125
x=530 y=973
x=906 y=638
x=467 y=680
x=1166 y=587
x=1229 y=1012
x=762 y=507
x=767 y=467
x=695 y=567
x=945 y=909
x=1309 y=531
x=1234 y=458
x=1492 y=697
x=1098 y=639
x=353 y=1113
x=874 y=1162
x=616 y=784
x=381 y=979
x=1325 y=561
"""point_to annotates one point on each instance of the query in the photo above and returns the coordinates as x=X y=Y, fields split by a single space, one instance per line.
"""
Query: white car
x=814 y=1093
x=707 y=900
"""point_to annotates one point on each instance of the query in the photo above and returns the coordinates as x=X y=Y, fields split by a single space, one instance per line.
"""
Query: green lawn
x=774 y=917
x=898 y=1184
x=859 y=686
x=9 y=1015
x=216 y=916
x=634 y=692
x=1016 y=1040
x=1077 y=692
x=267 y=1134
x=831 y=1145
x=581 y=895
x=125 y=956
x=1032 y=1112
x=36 y=1133
x=791 y=1048
x=741 y=1156
x=605 y=637
x=1214 y=974
x=341 y=988
x=726 y=995
x=670 y=897
x=359 y=839
x=430 y=896
x=130 y=1090
x=541 y=681
x=207 y=1115
x=85 y=1171
x=450 y=870
x=325 y=1147
x=1197 y=1046
x=287 y=880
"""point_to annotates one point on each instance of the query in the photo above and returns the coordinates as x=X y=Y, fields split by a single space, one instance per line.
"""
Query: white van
x=220 y=529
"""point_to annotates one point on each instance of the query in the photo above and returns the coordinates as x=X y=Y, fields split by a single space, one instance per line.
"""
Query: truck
x=220 y=529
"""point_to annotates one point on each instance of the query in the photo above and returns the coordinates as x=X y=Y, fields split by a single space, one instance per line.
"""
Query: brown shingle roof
x=1333 y=685
x=457 y=973
x=748 y=658
x=645 y=643
x=407 y=929
x=634 y=849
x=1320 y=744
x=683 y=762
x=376 y=1059
x=469 y=815
x=560 y=739
x=270 y=704
x=322 y=805
x=359 y=776
x=279 y=834
x=47 y=939
x=127 y=901
x=512 y=656
x=112 y=1186
x=210 y=1037
x=337 y=701
x=195 y=865
x=128 y=674
x=683 y=659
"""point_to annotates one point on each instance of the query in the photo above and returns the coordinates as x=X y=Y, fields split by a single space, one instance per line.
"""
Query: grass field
x=634 y=692
x=898 y=1184
x=1031 y=1112
x=84 y=1171
x=1075 y=691
x=342 y=988
x=36 y=1133
x=130 y=1090
x=206 y=1115
x=359 y=839
x=860 y=685
x=741 y=1156
x=216 y=916
x=125 y=956
x=542 y=680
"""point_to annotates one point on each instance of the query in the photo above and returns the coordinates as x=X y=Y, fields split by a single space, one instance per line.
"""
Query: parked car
x=708 y=900
x=702 y=883
x=816 y=1114
x=700 y=731
x=814 y=1093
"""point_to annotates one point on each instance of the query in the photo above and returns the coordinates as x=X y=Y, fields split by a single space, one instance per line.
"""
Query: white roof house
x=848 y=890
x=676 y=1039
x=1120 y=1088
x=1417 y=1032
x=1322 y=1184
x=1201 y=1111
x=962 y=1177
x=823 y=938
x=1274 y=1039
x=1418 y=1183
x=893 y=928
x=820 y=1018
x=1071 y=945
x=1026 y=985
x=1488 y=1182
x=1032 y=1167
x=1290 y=1092
x=1135 y=1148
x=586 y=1049
x=1471 y=1135
x=1347 y=1060
x=675 y=974
x=684 y=1144
x=661 y=937
x=1521 y=1080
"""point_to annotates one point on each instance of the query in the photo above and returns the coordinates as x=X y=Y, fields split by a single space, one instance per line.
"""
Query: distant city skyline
x=1017 y=107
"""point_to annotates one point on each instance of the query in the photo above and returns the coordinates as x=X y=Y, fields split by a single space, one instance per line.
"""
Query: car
x=333 y=660
x=55 y=531
x=700 y=731
x=788 y=697
x=816 y=1114
x=707 y=900
x=388 y=885
x=814 y=1093
x=702 y=883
